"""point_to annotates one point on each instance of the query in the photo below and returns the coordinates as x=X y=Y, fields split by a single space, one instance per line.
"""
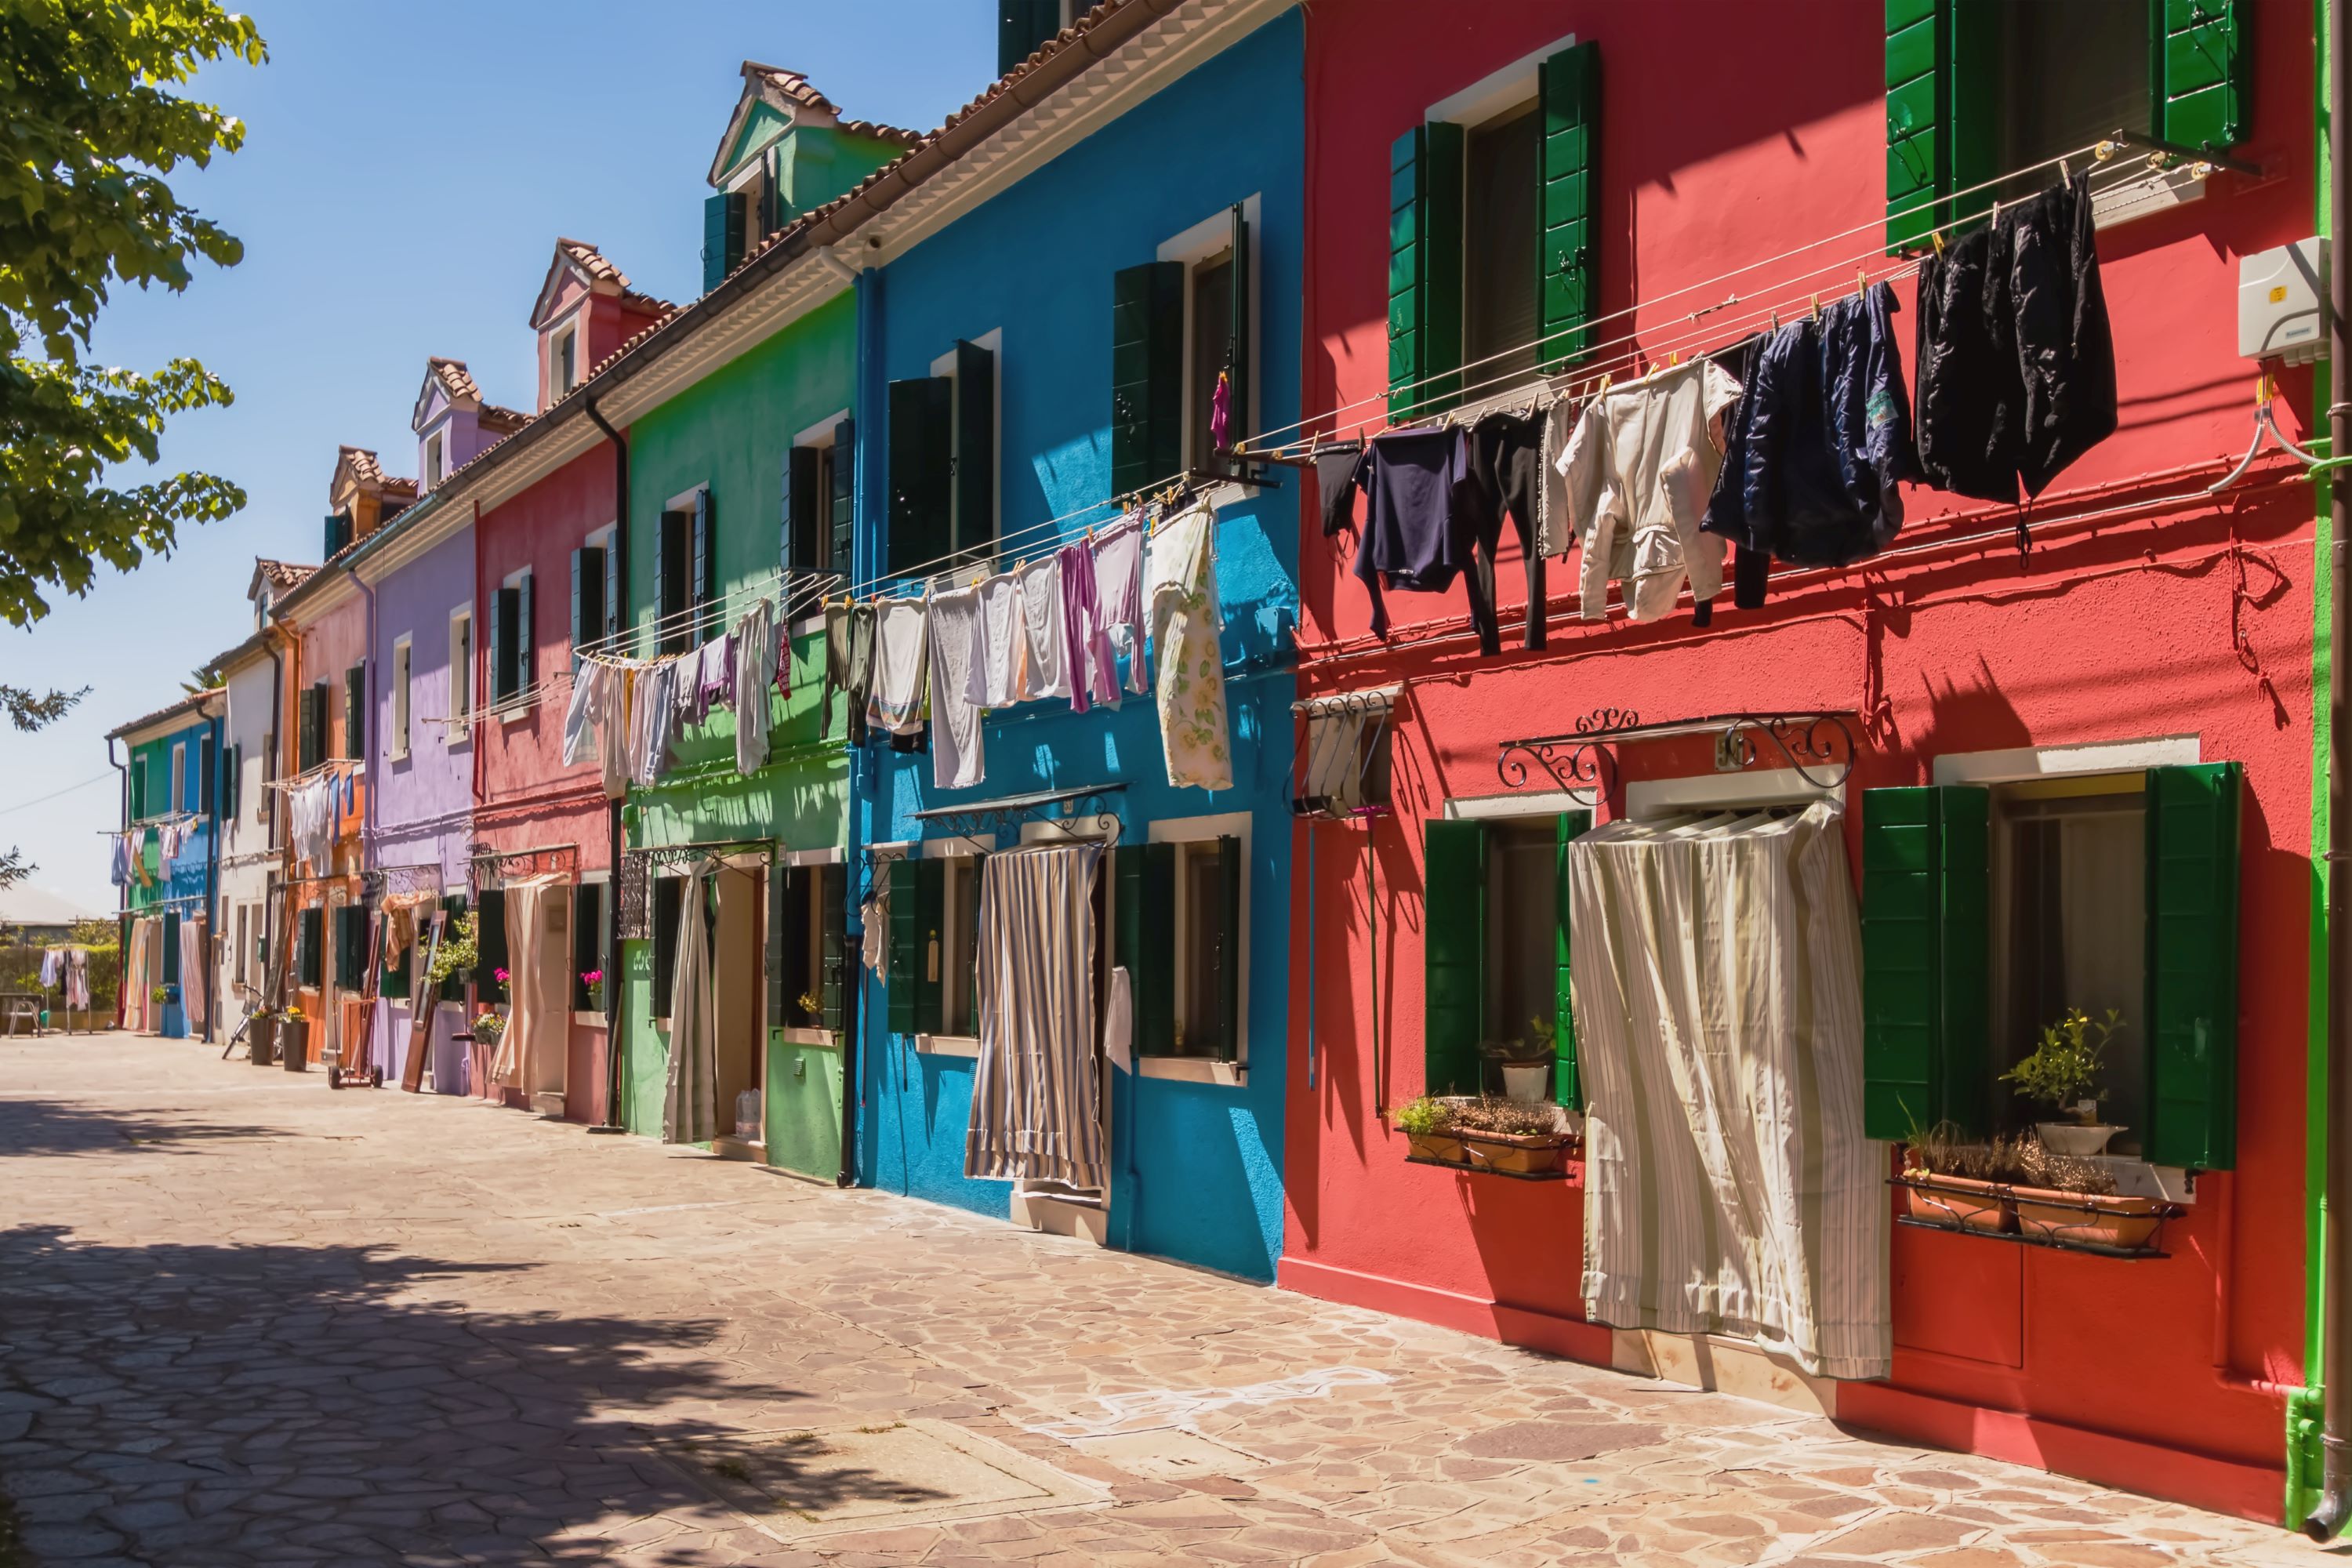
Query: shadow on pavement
x=202 y=1404
x=54 y=1127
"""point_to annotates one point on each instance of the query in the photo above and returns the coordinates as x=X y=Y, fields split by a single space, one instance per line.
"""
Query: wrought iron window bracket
x=970 y=819
x=1817 y=746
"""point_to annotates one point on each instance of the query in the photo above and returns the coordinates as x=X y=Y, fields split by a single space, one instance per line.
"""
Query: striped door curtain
x=1716 y=969
x=1037 y=1096
x=690 y=1111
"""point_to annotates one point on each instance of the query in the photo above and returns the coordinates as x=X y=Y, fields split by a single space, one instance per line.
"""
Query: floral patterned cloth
x=1190 y=677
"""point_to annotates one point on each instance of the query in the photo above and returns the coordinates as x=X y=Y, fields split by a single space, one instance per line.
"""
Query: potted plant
x=2066 y=1197
x=1526 y=1061
x=294 y=1039
x=160 y=995
x=1500 y=1133
x=457 y=953
x=487 y=1027
x=2064 y=1073
x=503 y=976
x=1955 y=1184
x=593 y=980
x=1427 y=1124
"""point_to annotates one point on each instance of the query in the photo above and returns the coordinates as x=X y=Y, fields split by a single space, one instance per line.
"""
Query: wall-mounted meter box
x=2282 y=303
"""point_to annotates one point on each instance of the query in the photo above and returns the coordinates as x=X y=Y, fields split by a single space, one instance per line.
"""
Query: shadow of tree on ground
x=49 y=1128
x=202 y=1404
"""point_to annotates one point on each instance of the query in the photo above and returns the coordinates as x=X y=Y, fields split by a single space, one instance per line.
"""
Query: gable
x=432 y=403
x=566 y=281
x=762 y=125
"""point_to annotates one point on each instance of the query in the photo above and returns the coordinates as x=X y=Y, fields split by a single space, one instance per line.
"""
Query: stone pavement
x=244 y=1320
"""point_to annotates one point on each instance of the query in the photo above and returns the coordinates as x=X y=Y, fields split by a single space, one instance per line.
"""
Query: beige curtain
x=532 y=1049
x=1716 y=966
x=192 y=973
x=134 y=977
x=690 y=1109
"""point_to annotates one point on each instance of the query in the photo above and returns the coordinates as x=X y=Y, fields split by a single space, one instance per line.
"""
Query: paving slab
x=248 y=1320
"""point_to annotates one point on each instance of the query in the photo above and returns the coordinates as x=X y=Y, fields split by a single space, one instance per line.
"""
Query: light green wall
x=731 y=431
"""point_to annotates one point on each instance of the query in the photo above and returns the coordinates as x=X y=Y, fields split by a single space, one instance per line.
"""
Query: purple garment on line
x=1093 y=677
x=714 y=678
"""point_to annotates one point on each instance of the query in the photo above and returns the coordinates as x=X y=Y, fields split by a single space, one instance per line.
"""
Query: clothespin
x=1817 y=307
x=1996 y=210
x=1935 y=236
x=1673 y=357
x=1776 y=318
x=1861 y=282
x=2066 y=172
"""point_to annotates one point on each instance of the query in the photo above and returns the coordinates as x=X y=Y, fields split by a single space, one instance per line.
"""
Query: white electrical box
x=2282 y=303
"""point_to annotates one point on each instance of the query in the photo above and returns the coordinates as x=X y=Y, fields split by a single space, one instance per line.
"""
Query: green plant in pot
x=1427 y=1124
x=1526 y=1060
x=457 y=952
x=2064 y=1073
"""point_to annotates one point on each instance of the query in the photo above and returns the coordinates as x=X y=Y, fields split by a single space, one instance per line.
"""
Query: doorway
x=738 y=974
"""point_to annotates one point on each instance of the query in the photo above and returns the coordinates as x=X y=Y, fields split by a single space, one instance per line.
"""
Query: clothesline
x=2100 y=150
x=314 y=772
x=1634 y=347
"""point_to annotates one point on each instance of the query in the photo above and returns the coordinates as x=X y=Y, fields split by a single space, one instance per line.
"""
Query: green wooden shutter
x=505 y=672
x=1944 y=76
x=1925 y=961
x=170 y=948
x=526 y=636
x=921 y=454
x=726 y=214
x=1237 y=351
x=2200 y=91
x=1454 y=954
x=312 y=946
x=1425 y=267
x=2191 y=1030
x=779 y=904
x=351 y=946
x=975 y=446
x=1568 y=288
x=845 y=497
x=397 y=965
x=1023 y=27
x=1229 y=949
x=928 y=970
x=232 y=784
x=832 y=943
x=306 y=748
x=797 y=547
x=906 y=945
x=355 y=727
x=1566 y=1083
x=1147 y=375
x=580 y=632
x=673 y=581
x=1145 y=945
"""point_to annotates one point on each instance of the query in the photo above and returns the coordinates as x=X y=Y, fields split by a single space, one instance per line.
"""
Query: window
x=588 y=599
x=265 y=795
x=513 y=629
x=1495 y=949
x=311 y=748
x=934 y=941
x=240 y=963
x=310 y=945
x=351 y=946
x=1989 y=911
x=204 y=780
x=490 y=943
x=1179 y=325
x=686 y=573
x=563 y=362
x=178 y=800
x=807 y=954
x=432 y=460
x=399 y=967
x=669 y=900
x=941 y=454
x=1976 y=91
x=170 y=948
x=726 y=230
x=2069 y=918
x=817 y=503
x=1179 y=932
x=461 y=673
x=589 y=931
x=1501 y=203
x=1490 y=250
x=396 y=743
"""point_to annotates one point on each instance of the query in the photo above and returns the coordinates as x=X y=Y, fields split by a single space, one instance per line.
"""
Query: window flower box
x=1490 y=1134
x=1957 y=1203
x=2106 y=1220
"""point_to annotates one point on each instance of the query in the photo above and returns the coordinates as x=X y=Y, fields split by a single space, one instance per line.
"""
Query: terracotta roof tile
x=455 y=378
x=283 y=573
x=185 y=702
x=592 y=261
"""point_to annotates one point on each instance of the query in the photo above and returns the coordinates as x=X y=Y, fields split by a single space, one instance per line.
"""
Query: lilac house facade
x=419 y=577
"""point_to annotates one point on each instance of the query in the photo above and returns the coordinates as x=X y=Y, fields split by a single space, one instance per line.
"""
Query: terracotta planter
x=1523 y=1155
x=1443 y=1146
x=1958 y=1203
x=2128 y=1224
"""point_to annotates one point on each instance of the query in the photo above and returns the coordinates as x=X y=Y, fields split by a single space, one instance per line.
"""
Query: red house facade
x=2135 y=636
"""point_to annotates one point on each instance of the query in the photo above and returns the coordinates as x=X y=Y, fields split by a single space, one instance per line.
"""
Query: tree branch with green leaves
x=90 y=127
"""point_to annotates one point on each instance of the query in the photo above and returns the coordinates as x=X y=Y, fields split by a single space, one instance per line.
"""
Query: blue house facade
x=1061 y=341
x=166 y=866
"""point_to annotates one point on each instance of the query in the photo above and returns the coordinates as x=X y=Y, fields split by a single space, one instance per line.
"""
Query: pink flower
x=501 y=974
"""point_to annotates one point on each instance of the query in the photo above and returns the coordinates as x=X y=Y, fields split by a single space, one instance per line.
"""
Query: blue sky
x=406 y=173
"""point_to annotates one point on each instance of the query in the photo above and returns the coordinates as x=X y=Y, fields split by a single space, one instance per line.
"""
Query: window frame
x=960 y=540
x=1194 y=830
x=968 y=849
x=1203 y=243
x=1543 y=806
x=516 y=706
x=574 y=990
x=810 y=936
x=177 y=799
x=404 y=665
x=457 y=729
